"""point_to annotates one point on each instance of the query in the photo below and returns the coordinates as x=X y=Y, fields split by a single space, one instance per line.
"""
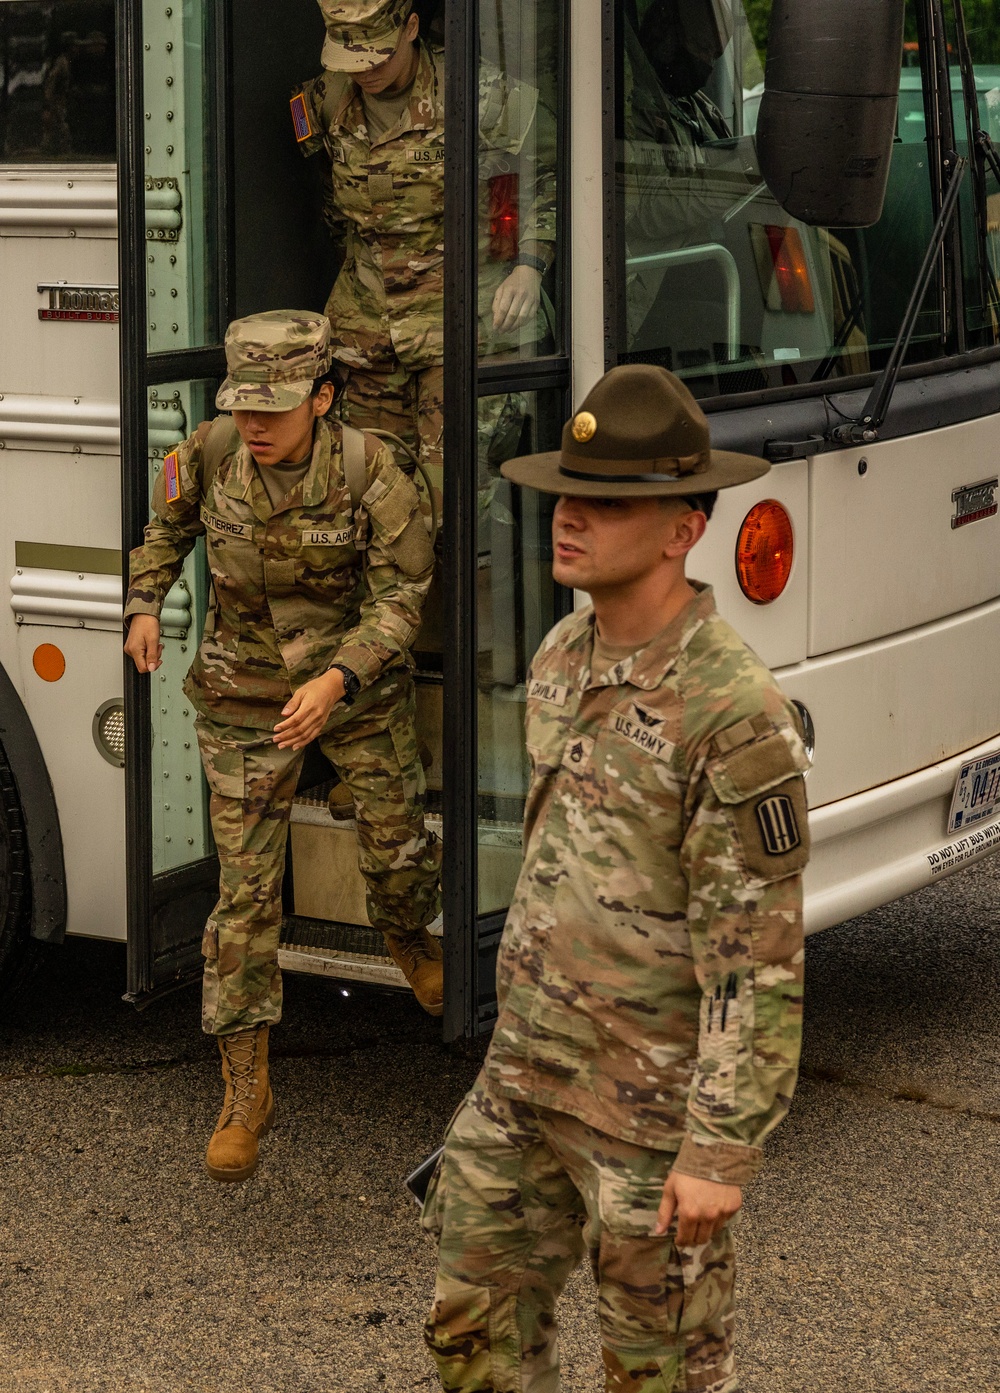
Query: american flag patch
x=172 y=477
x=300 y=118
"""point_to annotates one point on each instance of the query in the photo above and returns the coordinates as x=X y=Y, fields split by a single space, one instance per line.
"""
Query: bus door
x=208 y=231
x=221 y=218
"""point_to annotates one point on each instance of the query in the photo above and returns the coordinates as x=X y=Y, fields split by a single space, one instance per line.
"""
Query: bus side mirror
x=828 y=115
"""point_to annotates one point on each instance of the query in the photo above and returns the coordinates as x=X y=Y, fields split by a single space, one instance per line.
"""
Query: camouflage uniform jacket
x=387 y=200
x=650 y=972
x=292 y=592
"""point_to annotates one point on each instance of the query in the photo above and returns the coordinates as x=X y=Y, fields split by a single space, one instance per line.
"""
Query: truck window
x=57 y=82
x=718 y=282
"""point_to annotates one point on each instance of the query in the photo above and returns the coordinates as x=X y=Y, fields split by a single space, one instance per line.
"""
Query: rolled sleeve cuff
x=365 y=664
x=725 y=1163
x=134 y=604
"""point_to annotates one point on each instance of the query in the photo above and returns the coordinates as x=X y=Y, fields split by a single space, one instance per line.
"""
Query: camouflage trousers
x=521 y=1195
x=374 y=751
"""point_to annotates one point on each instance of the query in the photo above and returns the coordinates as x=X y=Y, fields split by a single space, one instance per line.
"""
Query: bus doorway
x=208 y=144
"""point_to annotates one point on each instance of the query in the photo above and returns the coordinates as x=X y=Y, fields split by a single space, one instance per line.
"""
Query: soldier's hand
x=702 y=1208
x=516 y=300
x=143 y=642
x=306 y=712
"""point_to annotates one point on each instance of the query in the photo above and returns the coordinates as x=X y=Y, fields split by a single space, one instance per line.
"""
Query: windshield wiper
x=865 y=428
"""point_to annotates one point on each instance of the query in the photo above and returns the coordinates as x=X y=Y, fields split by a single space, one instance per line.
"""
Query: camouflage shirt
x=291 y=591
x=650 y=972
x=387 y=202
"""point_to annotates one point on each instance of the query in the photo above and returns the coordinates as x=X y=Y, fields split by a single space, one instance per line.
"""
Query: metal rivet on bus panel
x=188 y=777
x=166 y=807
x=76 y=401
x=170 y=82
x=168 y=13
x=79 y=575
x=190 y=809
x=174 y=328
x=149 y=149
x=166 y=839
x=862 y=466
x=166 y=742
x=170 y=115
x=184 y=647
x=174 y=294
x=170 y=149
x=152 y=326
x=187 y=743
x=72 y=232
x=190 y=841
x=170 y=48
x=69 y=183
x=147 y=115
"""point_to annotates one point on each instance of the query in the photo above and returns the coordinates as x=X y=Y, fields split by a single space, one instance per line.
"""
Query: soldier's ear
x=322 y=399
x=412 y=27
x=688 y=528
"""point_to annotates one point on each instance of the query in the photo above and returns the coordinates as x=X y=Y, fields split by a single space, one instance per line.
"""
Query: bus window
x=57 y=82
x=179 y=793
x=519 y=77
x=718 y=282
x=182 y=249
x=980 y=234
x=517 y=605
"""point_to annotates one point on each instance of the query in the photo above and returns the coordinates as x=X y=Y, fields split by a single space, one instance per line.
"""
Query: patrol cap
x=361 y=34
x=639 y=432
x=273 y=360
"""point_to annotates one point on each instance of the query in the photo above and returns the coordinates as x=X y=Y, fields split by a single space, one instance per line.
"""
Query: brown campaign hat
x=639 y=432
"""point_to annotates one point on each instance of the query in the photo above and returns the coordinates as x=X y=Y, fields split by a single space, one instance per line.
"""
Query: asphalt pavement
x=868 y=1245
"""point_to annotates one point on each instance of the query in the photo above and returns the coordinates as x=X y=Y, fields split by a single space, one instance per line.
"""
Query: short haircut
x=702 y=502
x=331 y=376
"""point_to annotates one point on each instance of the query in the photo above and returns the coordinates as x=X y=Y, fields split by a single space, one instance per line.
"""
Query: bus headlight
x=109 y=731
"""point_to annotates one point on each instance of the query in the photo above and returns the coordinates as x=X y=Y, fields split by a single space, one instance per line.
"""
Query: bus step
x=350 y=952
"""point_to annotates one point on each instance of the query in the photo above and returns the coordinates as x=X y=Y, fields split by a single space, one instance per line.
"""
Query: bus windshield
x=718 y=282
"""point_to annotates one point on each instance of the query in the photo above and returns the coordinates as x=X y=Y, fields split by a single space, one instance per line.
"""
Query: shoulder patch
x=172 y=477
x=300 y=118
x=771 y=831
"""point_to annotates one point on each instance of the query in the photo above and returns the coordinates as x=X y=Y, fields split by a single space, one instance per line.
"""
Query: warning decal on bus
x=172 y=477
x=300 y=118
x=954 y=854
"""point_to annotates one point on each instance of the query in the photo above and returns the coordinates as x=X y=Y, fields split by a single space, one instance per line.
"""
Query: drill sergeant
x=378 y=112
x=650 y=972
x=307 y=638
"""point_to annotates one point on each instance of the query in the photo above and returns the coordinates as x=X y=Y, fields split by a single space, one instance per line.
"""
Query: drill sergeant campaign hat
x=639 y=433
x=361 y=34
x=273 y=360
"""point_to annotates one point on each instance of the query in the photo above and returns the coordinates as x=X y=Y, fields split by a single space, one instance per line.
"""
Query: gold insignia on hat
x=584 y=426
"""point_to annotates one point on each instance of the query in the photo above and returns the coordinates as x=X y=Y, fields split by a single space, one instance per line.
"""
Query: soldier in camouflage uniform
x=314 y=606
x=378 y=112
x=650 y=972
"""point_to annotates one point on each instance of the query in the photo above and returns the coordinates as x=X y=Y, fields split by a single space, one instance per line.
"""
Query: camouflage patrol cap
x=273 y=360
x=639 y=432
x=361 y=34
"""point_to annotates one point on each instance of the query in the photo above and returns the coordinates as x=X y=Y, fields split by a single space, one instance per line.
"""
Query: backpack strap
x=221 y=441
x=355 y=467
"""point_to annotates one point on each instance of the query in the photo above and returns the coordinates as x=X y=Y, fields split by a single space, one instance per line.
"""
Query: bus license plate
x=977 y=793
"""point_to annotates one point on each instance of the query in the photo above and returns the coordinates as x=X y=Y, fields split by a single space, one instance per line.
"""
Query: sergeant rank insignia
x=172 y=477
x=778 y=825
x=300 y=118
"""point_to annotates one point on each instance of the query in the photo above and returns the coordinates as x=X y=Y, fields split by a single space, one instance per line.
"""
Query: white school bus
x=150 y=190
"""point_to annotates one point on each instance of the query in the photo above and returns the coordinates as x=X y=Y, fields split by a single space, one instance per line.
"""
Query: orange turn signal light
x=764 y=551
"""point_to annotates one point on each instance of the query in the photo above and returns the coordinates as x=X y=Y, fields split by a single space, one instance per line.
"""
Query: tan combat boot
x=418 y=957
x=248 y=1109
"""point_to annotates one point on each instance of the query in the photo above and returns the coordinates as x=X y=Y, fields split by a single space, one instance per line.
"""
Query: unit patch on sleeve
x=172 y=477
x=778 y=824
x=300 y=118
x=326 y=538
x=552 y=692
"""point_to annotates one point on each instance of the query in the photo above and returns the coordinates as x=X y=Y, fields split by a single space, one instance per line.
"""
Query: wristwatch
x=352 y=683
x=537 y=263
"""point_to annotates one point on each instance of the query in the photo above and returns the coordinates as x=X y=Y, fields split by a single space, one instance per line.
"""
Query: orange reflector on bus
x=764 y=550
x=783 y=269
x=48 y=662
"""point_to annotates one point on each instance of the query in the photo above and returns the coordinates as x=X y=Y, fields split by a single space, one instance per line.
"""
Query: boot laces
x=241 y=1056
